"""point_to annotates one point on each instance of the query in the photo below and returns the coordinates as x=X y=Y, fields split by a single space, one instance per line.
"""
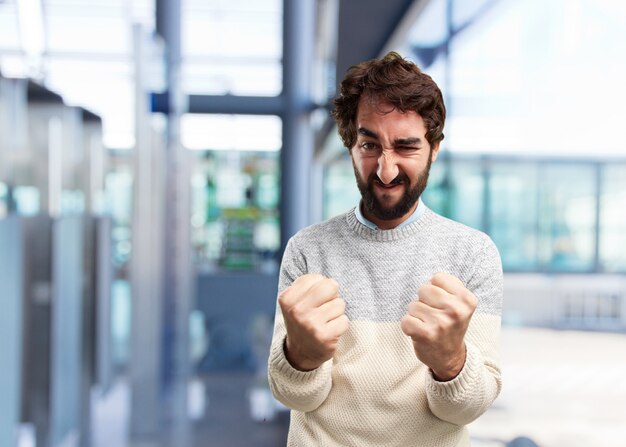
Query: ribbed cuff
x=279 y=363
x=455 y=389
x=299 y=390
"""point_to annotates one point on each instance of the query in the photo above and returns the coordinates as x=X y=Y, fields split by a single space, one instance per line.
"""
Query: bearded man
x=388 y=316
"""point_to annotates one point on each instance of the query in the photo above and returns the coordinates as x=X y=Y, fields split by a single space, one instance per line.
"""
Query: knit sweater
x=375 y=391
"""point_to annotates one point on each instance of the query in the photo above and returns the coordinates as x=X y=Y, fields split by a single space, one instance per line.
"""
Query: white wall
x=596 y=302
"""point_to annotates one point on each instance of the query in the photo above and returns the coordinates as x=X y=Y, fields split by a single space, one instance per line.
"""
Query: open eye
x=368 y=146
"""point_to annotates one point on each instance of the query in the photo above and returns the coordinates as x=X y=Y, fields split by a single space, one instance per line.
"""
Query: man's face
x=391 y=161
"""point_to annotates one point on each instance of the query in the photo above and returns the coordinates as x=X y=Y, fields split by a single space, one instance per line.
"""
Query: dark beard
x=407 y=201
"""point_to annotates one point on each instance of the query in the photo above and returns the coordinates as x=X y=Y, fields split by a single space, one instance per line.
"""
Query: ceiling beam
x=364 y=28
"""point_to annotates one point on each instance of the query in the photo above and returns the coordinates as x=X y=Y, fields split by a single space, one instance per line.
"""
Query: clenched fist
x=437 y=323
x=314 y=319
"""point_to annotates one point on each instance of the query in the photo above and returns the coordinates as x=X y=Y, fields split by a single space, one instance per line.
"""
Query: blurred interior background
x=156 y=155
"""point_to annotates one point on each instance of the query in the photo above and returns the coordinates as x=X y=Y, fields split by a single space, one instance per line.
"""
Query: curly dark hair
x=397 y=81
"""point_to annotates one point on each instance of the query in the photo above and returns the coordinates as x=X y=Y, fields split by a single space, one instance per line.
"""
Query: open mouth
x=391 y=185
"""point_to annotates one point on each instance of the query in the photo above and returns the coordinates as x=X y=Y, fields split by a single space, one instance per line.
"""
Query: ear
x=434 y=151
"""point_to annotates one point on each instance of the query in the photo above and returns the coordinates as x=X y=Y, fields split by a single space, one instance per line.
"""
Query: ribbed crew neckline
x=394 y=234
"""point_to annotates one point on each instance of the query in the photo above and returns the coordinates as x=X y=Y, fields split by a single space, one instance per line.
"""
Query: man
x=388 y=316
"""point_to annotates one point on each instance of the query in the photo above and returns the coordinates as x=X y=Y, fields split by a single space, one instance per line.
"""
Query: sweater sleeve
x=299 y=390
x=469 y=395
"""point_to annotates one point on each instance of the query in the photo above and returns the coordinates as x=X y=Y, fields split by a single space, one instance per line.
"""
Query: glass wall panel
x=232 y=47
x=119 y=185
x=340 y=190
x=11 y=344
x=235 y=199
x=119 y=204
x=513 y=189
x=235 y=190
x=4 y=200
x=613 y=219
x=541 y=215
x=231 y=132
x=466 y=183
x=567 y=215
x=225 y=76
x=437 y=192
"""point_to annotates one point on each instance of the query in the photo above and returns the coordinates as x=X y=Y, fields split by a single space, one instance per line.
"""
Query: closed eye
x=407 y=148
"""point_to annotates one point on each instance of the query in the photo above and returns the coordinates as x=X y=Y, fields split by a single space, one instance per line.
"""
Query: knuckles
x=406 y=325
x=423 y=290
x=455 y=313
x=303 y=286
x=412 y=328
x=297 y=312
x=429 y=335
x=329 y=287
x=313 y=277
x=325 y=337
x=439 y=278
x=345 y=324
x=341 y=305
x=471 y=300
x=319 y=333
x=283 y=302
x=308 y=306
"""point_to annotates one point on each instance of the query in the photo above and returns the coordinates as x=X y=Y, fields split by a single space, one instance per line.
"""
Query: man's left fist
x=437 y=323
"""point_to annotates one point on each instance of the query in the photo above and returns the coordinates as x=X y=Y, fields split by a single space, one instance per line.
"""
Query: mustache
x=400 y=178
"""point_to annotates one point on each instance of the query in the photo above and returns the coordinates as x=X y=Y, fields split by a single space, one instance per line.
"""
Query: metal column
x=177 y=267
x=298 y=137
x=145 y=361
x=11 y=279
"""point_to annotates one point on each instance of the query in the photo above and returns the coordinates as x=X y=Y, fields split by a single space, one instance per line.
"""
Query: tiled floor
x=227 y=420
x=561 y=388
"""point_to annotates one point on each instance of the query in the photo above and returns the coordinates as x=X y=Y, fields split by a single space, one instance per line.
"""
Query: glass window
x=88 y=57
x=340 y=190
x=235 y=190
x=431 y=28
x=436 y=195
x=4 y=200
x=9 y=31
x=242 y=77
x=235 y=199
x=113 y=99
x=466 y=182
x=567 y=217
x=119 y=197
x=232 y=47
x=513 y=189
x=541 y=216
x=65 y=26
x=425 y=44
x=27 y=200
x=613 y=219
x=231 y=132
x=513 y=67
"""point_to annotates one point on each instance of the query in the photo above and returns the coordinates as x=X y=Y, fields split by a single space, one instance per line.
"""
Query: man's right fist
x=315 y=319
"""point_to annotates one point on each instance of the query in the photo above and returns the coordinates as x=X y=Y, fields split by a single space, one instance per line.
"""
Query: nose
x=387 y=167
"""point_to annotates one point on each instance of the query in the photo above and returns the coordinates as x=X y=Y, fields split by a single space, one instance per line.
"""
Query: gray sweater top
x=375 y=392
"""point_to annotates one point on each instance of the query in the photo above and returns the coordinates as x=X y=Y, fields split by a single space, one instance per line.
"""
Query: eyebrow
x=409 y=141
